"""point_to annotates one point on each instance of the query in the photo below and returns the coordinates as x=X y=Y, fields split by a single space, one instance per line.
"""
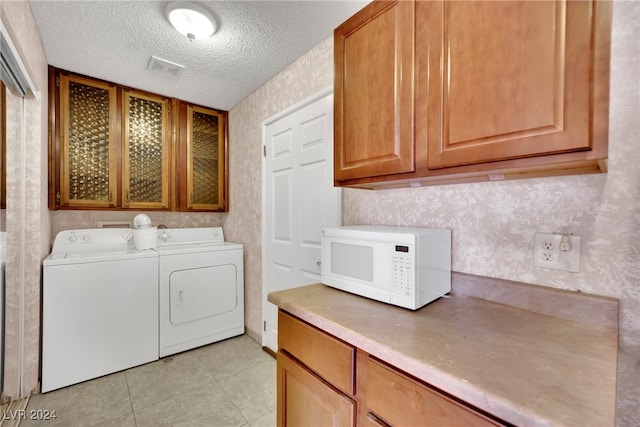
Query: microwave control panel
x=402 y=271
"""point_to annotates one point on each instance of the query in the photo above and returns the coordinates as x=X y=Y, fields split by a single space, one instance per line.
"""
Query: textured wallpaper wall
x=27 y=218
x=493 y=223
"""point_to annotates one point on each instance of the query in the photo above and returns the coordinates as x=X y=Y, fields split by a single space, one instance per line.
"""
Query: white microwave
x=407 y=267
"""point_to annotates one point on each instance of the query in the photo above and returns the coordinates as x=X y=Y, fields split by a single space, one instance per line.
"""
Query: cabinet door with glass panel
x=205 y=146
x=146 y=151
x=88 y=143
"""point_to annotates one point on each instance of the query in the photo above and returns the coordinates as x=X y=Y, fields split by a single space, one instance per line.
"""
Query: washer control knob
x=164 y=236
x=86 y=237
x=73 y=238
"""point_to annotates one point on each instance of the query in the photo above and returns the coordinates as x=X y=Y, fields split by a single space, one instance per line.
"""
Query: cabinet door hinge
x=57 y=81
x=58 y=197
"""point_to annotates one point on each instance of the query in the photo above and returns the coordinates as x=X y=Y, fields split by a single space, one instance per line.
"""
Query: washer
x=99 y=306
x=201 y=288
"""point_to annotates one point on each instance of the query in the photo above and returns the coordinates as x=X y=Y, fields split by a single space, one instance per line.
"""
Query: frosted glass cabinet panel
x=146 y=148
x=205 y=155
x=87 y=143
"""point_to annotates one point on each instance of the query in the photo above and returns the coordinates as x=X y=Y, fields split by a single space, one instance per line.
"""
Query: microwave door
x=352 y=260
x=361 y=267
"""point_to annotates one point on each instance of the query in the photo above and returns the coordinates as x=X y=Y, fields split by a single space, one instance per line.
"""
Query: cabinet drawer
x=400 y=401
x=329 y=357
x=306 y=400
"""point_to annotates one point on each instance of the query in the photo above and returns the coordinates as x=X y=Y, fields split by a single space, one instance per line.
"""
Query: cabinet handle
x=110 y=196
x=126 y=196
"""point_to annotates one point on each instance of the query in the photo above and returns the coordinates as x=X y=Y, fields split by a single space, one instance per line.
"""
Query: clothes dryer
x=201 y=288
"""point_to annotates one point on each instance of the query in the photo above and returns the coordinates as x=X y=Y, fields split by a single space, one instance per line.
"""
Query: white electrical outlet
x=557 y=251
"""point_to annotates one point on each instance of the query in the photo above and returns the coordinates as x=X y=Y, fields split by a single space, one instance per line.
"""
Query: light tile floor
x=229 y=383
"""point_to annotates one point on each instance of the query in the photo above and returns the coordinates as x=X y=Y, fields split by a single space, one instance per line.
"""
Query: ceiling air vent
x=165 y=67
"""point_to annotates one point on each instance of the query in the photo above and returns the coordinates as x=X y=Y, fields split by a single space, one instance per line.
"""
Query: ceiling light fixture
x=190 y=19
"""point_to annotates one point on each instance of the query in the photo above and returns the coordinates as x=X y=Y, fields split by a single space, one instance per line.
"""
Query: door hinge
x=264 y=325
x=58 y=197
x=264 y=151
x=57 y=81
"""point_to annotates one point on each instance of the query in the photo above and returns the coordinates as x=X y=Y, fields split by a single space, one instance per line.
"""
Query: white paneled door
x=298 y=200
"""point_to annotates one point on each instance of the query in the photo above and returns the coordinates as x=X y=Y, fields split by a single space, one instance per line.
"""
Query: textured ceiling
x=114 y=41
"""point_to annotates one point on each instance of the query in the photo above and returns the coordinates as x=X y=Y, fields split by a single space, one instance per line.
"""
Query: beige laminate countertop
x=526 y=368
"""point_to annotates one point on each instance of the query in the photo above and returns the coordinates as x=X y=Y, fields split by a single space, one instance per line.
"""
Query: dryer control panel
x=170 y=236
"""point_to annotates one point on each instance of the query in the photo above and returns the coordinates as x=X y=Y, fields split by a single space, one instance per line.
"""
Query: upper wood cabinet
x=88 y=143
x=498 y=90
x=113 y=147
x=374 y=102
x=146 y=151
x=203 y=155
x=515 y=79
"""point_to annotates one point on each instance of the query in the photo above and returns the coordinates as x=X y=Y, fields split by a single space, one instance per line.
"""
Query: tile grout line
x=234 y=404
x=246 y=422
x=133 y=412
x=213 y=377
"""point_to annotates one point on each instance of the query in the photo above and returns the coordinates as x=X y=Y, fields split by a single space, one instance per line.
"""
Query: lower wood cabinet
x=323 y=381
x=393 y=398
x=305 y=399
x=327 y=356
x=316 y=380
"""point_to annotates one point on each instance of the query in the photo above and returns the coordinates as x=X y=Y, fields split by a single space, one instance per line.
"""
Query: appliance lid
x=66 y=258
x=93 y=240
